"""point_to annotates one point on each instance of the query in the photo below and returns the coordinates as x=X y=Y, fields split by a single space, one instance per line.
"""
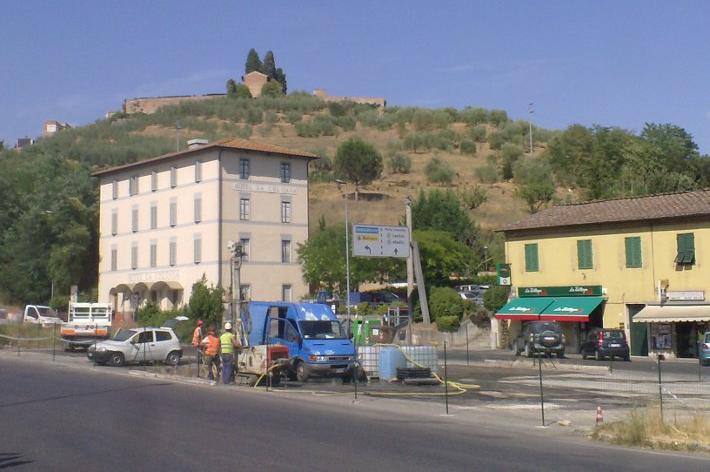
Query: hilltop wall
x=151 y=104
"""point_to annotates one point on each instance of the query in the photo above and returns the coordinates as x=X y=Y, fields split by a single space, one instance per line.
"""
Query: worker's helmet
x=227 y=325
x=200 y=322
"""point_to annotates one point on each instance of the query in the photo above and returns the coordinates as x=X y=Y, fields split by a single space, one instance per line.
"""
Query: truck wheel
x=116 y=359
x=301 y=372
x=173 y=358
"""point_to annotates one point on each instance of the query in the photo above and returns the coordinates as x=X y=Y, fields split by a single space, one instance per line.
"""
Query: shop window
x=584 y=254
x=633 y=252
x=531 y=258
x=686 y=249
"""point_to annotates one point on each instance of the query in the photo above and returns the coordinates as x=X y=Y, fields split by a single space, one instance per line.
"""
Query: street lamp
x=341 y=183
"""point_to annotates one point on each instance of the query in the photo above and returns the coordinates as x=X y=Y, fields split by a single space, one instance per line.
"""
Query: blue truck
x=317 y=343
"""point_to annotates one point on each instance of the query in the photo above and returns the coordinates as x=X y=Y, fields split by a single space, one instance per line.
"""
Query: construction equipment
x=262 y=364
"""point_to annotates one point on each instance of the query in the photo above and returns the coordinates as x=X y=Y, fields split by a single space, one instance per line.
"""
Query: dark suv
x=602 y=342
x=543 y=337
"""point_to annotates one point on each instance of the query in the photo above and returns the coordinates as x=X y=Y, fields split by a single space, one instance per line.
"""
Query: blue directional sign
x=380 y=241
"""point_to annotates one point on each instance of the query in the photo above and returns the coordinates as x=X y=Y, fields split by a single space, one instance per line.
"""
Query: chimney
x=197 y=142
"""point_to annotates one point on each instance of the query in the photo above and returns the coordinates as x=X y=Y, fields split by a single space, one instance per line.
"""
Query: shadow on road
x=85 y=394
x=12 y=459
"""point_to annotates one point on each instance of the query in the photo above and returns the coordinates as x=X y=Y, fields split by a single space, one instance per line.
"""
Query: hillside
x=48 y=202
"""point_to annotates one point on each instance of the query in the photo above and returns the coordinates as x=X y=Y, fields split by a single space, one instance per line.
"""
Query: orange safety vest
x=212 y=345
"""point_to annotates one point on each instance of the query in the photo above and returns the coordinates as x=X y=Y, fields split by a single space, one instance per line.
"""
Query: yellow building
x=641 y=264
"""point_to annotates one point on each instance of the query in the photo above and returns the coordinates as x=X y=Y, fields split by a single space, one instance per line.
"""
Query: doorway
x=639 y=332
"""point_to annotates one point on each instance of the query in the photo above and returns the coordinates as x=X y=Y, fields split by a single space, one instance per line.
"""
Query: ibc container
x=390 y=359
x=368 y=356
x=424 y=356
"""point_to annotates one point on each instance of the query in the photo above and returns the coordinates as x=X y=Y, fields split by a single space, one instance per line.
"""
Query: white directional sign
x=380 y=241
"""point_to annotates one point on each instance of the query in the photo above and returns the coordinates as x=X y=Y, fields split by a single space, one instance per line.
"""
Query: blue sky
x=615 y=63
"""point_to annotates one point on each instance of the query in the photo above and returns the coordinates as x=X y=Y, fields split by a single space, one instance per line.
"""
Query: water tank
x=389 y=360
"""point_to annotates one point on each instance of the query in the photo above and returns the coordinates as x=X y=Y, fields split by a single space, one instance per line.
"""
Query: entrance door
x=639 y=332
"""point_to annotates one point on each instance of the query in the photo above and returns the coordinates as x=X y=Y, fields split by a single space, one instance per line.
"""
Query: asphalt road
x=55 y=418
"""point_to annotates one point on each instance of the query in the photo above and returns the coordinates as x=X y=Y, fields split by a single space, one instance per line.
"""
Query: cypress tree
x=269 y=66
x=253 y=62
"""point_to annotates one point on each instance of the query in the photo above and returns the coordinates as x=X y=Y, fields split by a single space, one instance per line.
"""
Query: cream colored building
x=166 y=221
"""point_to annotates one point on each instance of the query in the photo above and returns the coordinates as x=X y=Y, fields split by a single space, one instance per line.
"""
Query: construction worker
x=197 y=342
x=228 y=342
x=210 y=345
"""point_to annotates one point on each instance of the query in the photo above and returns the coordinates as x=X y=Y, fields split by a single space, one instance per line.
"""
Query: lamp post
x=347 y=251
x=531 y=110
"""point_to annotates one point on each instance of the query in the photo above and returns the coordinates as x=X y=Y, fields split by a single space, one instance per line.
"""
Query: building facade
x=640 y=264
x=166 y=222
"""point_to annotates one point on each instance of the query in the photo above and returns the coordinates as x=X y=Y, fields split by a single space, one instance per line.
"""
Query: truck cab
x=87 y=323
x=316 y=341
x=39 y=314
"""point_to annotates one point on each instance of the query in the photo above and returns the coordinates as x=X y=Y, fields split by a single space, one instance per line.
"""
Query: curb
x=172 y=378
x=518 y=364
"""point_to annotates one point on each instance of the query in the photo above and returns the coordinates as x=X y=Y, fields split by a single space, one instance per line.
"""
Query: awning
x=671 y=313
x=571 y=309
x=523 y=309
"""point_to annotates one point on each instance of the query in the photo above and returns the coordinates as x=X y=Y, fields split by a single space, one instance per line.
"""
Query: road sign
x=503 y=274
x=380 y=241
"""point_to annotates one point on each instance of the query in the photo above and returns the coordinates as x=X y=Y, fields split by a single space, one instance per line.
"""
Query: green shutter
x=633 y=252
x=584 y=254
x=686 y=248
x=531 y=261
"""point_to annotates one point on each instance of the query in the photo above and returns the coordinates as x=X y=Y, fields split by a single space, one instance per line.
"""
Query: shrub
x=497 y=117
x=510 y=153
x=336 y=109
x=294 y=116
x=474 y=197
x=270 y=118
x=495 y=297
x=478 y=134
x=487 y=174
x=444 y=301
x=423 y=120
x=478 y=315
x=242 y=91
x=346 y=123
x=468 y=147
x=439 y=171
x=531 y=169
x=272 y=89
x=400 y=163
x=496 y=140
x=325 y=125
x=448 y=324
x=474 y=116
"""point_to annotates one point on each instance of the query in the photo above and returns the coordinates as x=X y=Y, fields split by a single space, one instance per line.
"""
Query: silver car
x=138 y=345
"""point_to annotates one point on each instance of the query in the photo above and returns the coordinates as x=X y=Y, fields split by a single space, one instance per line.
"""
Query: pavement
x=65 y=416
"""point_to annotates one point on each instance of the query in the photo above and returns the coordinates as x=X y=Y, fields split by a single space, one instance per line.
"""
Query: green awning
x=523 y=309
x=571 y=308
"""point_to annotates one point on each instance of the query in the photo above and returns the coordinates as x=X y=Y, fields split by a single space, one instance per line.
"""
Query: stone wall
x=376 y=101
x=149 y=105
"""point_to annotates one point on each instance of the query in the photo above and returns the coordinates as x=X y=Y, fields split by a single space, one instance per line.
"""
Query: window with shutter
x=584 y=254
x=686 y=249
x=633 y=252
x=198 y=209
x=531 y=258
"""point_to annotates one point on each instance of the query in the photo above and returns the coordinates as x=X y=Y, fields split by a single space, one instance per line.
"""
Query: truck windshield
x=46 y=311
x=321 y=329
x=123 y=334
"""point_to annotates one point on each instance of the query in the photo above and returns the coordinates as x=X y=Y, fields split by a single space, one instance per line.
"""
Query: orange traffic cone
x=600 y=415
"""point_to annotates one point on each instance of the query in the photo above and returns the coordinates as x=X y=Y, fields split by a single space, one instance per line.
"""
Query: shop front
x=576 y=308
x=674 y=330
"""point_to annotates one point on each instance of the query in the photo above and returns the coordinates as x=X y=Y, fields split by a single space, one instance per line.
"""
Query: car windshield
x=321 y=329
x=707 y=337
x=613 y=335
x=46 y=311
x=123 y=334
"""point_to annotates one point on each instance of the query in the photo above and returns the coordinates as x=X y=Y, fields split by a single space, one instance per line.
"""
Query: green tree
x=271 y=89
x=438 y=171
x=443 y=256
x=253 y=63
x=400 y=163
x=445 y=301
x=473 y=197
x=280 y=77
x=442 y=210
x=495 y=297
x=269 y=65
x=358 y=162
x=242 y=91
x=674 y=143
x=206 y=302
x=537 y=194
x=231 y=88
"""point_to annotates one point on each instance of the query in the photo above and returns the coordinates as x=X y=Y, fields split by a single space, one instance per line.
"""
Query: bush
x=272 y=89
x=400 y=163
x=496 y=140
x=346 y=123
x=448 y=324
x=444 y=301
x=468 y=147
x=438 y=171
x=242 y=91
x=474 y=116
x=336 y=109
x=495 y=297
x=294 y=116
x=531 y=169
x=474 y=197
x=478 y=315
x=497 y=117
x=487 y=174
x=478 y=134
x=423 y=120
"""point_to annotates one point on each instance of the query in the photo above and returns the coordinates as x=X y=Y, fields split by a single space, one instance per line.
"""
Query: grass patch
x=645 y=428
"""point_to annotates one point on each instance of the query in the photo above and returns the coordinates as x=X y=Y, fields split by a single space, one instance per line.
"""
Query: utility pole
x=236 y=252
x=531 y=110
x=177 y=136
x=410 y=271
x=340 y=183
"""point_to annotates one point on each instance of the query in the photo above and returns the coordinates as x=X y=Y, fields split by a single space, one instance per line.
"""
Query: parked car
x=603 y=342
x=544 y=337
x=137 y=345
x=705 y=349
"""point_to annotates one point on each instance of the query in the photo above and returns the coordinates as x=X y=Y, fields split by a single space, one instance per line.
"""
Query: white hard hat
x=227 y=325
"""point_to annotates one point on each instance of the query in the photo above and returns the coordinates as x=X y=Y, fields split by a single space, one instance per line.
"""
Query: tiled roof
x=619 y=210
x=230 y=143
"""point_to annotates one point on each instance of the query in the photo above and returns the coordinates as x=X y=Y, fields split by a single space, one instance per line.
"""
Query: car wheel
x=117 y=359
x=173 y=358
x=597 y=357
x=528 y=351
x=301 y=372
